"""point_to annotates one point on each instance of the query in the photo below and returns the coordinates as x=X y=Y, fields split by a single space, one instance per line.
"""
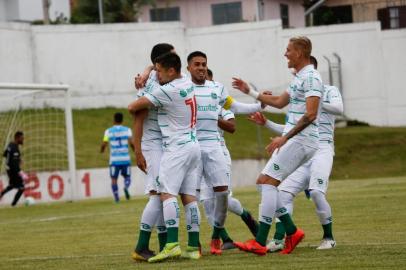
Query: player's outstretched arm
x=260 y=119
x=103 y=147
x=227 y=125
x=139 y=104
x=274 y=101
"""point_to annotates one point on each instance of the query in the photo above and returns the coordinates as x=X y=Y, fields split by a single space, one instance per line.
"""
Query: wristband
x=253 y=94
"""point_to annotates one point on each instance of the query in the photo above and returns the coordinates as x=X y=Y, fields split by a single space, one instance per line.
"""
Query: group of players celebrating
x=178 y=140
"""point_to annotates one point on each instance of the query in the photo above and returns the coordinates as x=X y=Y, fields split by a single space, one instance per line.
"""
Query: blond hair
x=303 y=44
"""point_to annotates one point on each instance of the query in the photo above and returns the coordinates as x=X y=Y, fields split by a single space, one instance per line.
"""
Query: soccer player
x=210 y=97
x=176 y=104
x=148 y=153
x=296 y=146
x=16 y=176
x=226 y=122
x=314 y=174
x=118 y=137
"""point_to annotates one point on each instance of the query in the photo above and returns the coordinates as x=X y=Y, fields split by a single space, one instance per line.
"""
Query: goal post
x=43 y=112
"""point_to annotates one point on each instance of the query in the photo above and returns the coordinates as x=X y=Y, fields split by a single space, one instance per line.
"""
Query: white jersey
x=327 y=120
x=225 y=115
x=307 y=83
x=210 y=97
x=176 y=104
x=152 y=136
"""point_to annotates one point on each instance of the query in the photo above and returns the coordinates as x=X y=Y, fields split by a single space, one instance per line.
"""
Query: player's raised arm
x=274 y=101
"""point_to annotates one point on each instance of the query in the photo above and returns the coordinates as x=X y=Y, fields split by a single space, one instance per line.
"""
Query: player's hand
x=240 y=85
x=276 y=144
x=140 y=80
x=267 y=92
x=258 y=118
x=141 y=162
x=23 y=175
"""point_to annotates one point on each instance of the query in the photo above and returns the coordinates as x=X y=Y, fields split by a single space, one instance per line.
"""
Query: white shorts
x=290 y=156
x=213 y=167
x=178 y=170
x=206 y=188
x=314 y=174
x=153 y=159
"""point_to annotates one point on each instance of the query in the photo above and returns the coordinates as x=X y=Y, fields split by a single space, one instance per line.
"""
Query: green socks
x=263 y=232
x=288 y=224
x=193 y=240
x=328 y=231
x=280 y=231
x=143 y=240
x=162 y=237
x=172 y=235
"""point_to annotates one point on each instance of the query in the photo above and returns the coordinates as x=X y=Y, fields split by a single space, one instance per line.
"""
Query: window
x=284 y=13
x=394 y=18
x=164 y=14
x=226 y=13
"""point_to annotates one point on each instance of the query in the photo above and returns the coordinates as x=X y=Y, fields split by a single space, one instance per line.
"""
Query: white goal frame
x=68 y=123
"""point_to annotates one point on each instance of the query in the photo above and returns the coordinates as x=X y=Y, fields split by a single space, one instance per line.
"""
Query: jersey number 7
x=192 y=103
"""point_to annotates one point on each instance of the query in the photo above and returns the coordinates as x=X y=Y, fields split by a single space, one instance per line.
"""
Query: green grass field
x=361 y=152
x=369 y=226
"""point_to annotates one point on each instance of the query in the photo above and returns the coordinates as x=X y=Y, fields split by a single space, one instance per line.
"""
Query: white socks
x=234 y=206
x=192 y=215
x=151 y=213
x=171 y=213
x=220 y=208
x=323 y=208
x=209 y=210
x=269 y=198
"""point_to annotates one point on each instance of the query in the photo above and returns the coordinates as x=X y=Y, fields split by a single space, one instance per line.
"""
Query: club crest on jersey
x=183 y=93
x=213 y=95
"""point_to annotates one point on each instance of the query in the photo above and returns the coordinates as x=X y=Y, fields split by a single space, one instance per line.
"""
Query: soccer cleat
x=215 y=247
x=327 y=244
x=251 y=223
x=127 y=194
x=275 y=245
x=171 y=250
x=228 y=245
x=192 y=253
x=252 y=246
x=142 y=255
x=291 y=241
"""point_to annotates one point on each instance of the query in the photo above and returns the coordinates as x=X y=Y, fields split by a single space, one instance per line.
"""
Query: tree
x=114 y=11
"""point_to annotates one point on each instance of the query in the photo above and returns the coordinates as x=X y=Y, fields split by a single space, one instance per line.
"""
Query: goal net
x=43 y=114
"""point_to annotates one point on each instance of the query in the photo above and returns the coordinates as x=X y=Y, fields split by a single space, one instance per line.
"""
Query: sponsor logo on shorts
x=320 y=181
x=276 y=167
x=157 y=181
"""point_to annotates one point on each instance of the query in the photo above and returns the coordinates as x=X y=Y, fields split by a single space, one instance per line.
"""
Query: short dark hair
x=160 y=49
x=18 y=134
x=195 y=54
x=169 y=60
x=313 y=60
x=210 y=73
x=118 y=117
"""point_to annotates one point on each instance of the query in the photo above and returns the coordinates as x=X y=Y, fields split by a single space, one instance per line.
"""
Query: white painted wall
x=96 y=183
x=100 y=61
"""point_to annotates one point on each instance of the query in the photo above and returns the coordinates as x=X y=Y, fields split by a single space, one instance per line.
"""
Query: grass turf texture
x=361 y=152
x=369 y=217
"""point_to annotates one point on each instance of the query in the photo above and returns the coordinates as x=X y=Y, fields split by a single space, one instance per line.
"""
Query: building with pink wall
x=200 y=13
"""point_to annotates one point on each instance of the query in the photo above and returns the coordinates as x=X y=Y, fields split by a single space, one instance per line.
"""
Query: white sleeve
x=334 y=102
x=278 y=128
x=245 y=108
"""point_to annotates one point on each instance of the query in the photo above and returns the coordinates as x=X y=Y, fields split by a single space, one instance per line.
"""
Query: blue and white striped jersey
x=118 y=137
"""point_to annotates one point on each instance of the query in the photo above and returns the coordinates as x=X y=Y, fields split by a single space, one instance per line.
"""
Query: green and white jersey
x=210 y=97
x=176 y=104
x=332 y=97
x=152 y=136
x=225 y=115
x=306 y=83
